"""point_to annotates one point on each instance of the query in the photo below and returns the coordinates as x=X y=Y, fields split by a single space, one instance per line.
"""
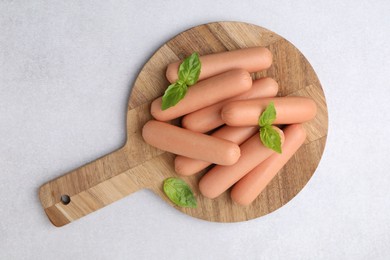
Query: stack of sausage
x=220 y=125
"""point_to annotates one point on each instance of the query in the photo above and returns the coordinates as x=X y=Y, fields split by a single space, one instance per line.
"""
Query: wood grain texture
x=137 y=165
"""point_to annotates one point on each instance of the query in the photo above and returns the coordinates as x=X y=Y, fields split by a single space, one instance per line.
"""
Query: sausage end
x=267 y=57
x=189 y=123
x=232 y=154
x=206 y=190
x=181 y=166
x=155 y=110
x=239 y=199
x=171 y=72
x=313 y=108
x=272 y=85
x=147 y=130
x=245 y=79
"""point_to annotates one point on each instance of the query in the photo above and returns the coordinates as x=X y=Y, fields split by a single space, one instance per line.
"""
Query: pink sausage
x=181 y=141
x=289 y=110
x=251 y=185
x=205 y=93
x=250 y=59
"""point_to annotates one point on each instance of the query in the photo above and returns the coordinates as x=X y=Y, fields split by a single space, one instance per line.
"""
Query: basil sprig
x=179 y=192
x=188 y=75
x=268 y=135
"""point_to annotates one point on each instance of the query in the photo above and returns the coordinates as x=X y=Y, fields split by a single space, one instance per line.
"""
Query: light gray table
x=66 y=68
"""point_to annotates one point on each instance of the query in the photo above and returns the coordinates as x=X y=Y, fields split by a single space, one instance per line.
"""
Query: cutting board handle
x=89 y=188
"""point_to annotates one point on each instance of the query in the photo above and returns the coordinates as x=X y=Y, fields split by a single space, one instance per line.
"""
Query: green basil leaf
x=268 y=116
x=271 y=138
x=189 y=69
x=174 y=93
x=179 y=192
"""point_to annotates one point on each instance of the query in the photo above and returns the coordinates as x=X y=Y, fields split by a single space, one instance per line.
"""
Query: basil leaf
x=173 y=94
x=271 y=138
x=268 y=116
x=189 y=69
x=179 y=192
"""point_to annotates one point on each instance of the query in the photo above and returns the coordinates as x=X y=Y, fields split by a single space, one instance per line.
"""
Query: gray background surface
x=66 y=69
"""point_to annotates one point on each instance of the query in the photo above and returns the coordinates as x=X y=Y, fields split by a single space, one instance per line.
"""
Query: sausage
x=205 y=93
x=220 y=178
x=251 y=185
x=250 y=59
x=189 y=166
x=181 y=141
x=289 y=110
x=208 y=118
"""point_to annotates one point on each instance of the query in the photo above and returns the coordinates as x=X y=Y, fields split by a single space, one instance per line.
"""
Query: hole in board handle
x=65 y=199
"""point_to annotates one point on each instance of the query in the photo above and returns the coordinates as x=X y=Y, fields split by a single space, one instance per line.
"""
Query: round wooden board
x=295 y=76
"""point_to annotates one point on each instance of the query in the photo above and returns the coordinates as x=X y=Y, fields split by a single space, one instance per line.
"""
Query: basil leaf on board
x=189 y=69
x=179 y=192
x=271 y=138
x=173 y=94
x=268 y=116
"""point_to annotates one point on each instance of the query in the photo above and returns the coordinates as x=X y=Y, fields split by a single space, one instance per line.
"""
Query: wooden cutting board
x=138 y=166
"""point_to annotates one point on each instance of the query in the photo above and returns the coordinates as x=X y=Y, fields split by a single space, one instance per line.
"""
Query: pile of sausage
x=227 y=103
